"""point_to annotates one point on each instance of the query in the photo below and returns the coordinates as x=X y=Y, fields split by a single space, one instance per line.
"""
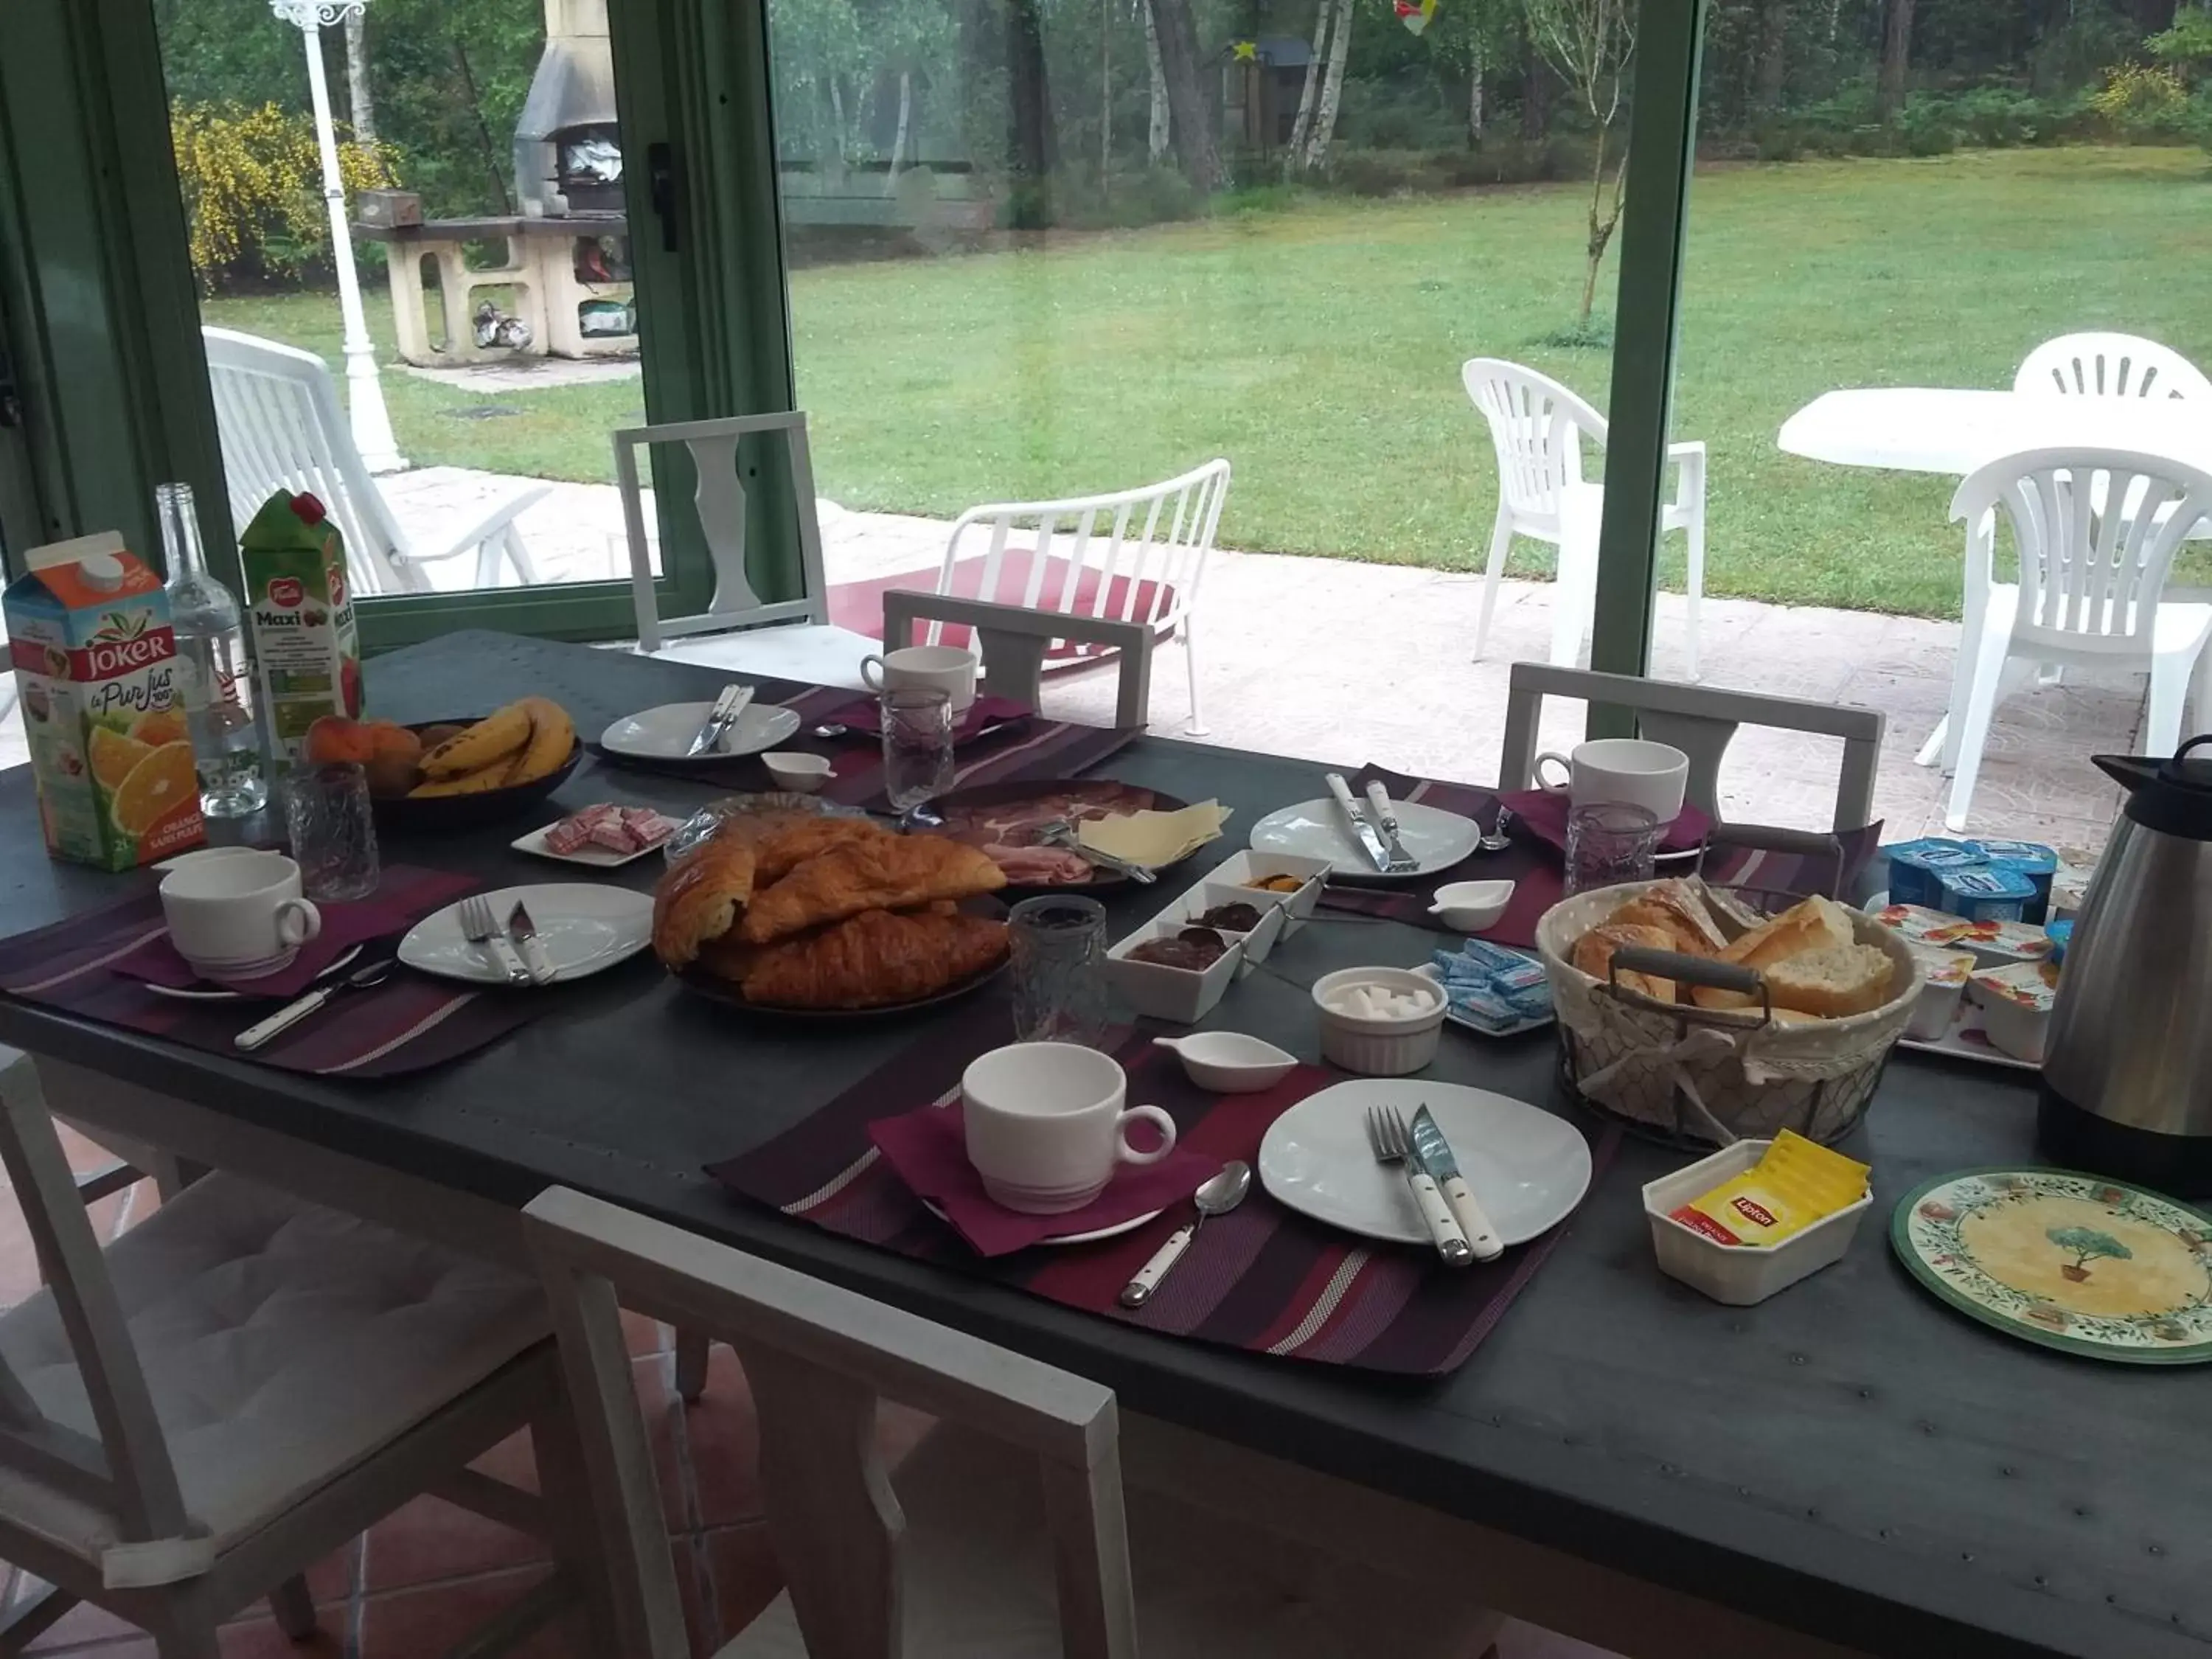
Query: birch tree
x=1156 y=134
x=1331 y=88
x=1590 y=43
x=1310 y=90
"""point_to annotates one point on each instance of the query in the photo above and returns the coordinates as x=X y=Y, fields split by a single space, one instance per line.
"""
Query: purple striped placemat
x=1263 y=1278
x=408 y=1023
x=1036 y=748
x=1531 y=867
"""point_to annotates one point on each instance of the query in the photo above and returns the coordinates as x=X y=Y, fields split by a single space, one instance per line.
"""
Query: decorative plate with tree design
x=2074 y=1261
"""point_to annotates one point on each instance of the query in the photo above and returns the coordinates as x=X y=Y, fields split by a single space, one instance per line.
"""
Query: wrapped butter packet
x=1795 y=1183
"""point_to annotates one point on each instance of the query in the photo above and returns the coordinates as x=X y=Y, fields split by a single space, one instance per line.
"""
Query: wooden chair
x=791 y=639
x=223 y=1396
x=1012 y=642
x=1002 y=1535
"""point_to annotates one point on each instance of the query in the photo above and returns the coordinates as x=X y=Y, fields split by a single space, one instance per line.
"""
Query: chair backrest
x=278 y=415
x=1012 y=643
x=1700 y=721
x=124 y=1469
x=719 y=498
x=2090 y=579
x=1134 y=555
x=817 y=1358
x=1536 y=426
x=2097 y=365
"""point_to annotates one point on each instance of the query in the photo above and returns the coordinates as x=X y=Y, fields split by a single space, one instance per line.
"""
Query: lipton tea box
x=95 y=665
x=306 y=650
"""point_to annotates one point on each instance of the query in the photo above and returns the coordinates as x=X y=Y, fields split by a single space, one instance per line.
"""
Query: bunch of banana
x=524 y=742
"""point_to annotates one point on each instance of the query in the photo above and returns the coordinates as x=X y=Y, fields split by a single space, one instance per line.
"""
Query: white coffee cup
x=1046 y=1126
x=239 y=916
x=1633 y=770
x=944 y=668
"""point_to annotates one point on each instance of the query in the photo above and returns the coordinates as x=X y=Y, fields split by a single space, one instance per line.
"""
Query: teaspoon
x=1220 y=1196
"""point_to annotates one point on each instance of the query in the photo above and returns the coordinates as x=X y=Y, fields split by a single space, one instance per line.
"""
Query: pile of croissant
x=1810 y=956
x=804 y=912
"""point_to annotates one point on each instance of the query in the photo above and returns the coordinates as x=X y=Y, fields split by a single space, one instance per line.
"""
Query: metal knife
x=1435 y=1155
x=1376 y=853
x=1378 y=797
x=728 y=706
x=527 y=945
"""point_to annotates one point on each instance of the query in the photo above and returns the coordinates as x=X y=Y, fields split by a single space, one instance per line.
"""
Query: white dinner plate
x=1528 y=1168
x=665 y=732
x=215 y=994
x=584 y=929
x=1055 y=1240
x=1435 y=839
x=591 y=854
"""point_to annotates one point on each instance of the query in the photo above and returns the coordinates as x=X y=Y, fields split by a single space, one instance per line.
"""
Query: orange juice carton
x=95 y=665
x=307 y=649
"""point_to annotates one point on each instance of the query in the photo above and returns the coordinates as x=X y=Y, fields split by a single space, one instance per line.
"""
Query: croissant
x=699 y=900
x=875 y=958
x=885 y=873
x=777 y=854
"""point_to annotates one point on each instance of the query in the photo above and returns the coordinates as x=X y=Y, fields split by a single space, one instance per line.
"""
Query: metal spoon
x=1220 y=1196
x=1495 y=841
x=827 y=729
x=293 y=1013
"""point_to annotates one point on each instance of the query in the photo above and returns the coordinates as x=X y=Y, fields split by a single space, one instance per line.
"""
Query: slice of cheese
x=1153 y=839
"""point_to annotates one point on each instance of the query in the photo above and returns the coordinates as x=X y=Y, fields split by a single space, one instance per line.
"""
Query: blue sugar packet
x=1492 y=1013
x=1494 y=988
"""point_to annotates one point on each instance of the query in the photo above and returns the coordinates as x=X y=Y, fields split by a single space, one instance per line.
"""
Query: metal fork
x=481 y=928
x=1386 y=1134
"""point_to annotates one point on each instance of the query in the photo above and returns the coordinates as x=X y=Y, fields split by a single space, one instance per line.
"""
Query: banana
x=494 y=739
x=552 y=735
x=466 y=783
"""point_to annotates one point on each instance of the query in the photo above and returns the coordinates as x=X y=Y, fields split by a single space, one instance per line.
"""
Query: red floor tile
x=413 y=1624
x=430 y=1539
x=742 y=1563
x=646 y=1335
x=723 y=1437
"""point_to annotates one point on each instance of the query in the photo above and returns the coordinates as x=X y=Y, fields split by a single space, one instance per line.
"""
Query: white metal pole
x=372 y=426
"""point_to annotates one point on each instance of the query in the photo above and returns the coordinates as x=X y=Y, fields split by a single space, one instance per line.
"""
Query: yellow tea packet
x=1795 y=1183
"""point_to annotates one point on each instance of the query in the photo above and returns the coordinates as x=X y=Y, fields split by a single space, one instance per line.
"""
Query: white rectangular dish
x=1241 y=870
x=1179 y=994
x=1739 y=1274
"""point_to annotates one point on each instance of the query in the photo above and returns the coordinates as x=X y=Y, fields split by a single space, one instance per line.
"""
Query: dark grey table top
x=1851 y=1458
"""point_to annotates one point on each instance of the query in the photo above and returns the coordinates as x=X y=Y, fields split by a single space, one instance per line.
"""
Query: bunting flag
x=1415 y=13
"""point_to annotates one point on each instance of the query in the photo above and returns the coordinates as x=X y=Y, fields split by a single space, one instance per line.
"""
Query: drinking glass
x=1609 y=844
x=917 y=722
x=333 y=830
x=1059 y=943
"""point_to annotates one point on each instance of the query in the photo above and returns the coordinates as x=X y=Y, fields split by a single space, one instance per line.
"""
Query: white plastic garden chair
x=2090 y=588
x=2097 y=365
x=277 y=414
x=786 y=639
x=1159 y=534
x=1537 y=426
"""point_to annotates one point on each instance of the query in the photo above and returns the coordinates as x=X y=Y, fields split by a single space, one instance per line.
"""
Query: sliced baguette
x=1594 y=956
x=1833 y=981
x=1674 y=907
x=1814 y=924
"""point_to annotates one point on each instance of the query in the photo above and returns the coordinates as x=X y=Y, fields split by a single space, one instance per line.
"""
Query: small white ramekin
x=1378 y=1048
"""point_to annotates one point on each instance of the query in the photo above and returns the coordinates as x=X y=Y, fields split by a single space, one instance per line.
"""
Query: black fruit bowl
x=433 y=815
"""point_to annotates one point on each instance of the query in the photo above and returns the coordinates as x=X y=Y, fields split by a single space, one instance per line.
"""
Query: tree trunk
x=1105 y=94
x=834 y=165
x=1474 y=110
x=1896 y=55
x=905 y=121
x=1032 y=140
x=1602 y=221
x=1156 y=132
x=1773 y=54
x=1535 y=92
x=360 y=101
x=1191 y=125
x=1332 y=90
x=1309 y=92
x=498 y=174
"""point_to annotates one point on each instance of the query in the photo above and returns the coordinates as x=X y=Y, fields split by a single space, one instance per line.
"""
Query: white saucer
x=1435 y=839
x=665 y=733
x=1057 y=1239
x=1529 y=1169
x=188 y=994
x=583 y=929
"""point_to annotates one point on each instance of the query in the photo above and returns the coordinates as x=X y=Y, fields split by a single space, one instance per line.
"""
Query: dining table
x=1955 y=430
x=1852 y=1467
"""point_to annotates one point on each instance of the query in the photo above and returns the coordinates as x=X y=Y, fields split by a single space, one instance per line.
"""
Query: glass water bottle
x=213 y=682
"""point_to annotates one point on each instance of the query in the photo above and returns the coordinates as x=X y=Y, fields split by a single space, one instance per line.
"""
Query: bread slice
x=1833 y=981
x=1814 y=924
x=1675 y=907
x=1594 y=956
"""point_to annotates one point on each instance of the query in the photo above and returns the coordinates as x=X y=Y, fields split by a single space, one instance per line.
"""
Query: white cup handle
x=298 y=920
x=1153 y=1116
x=1536 y=771
x=876 y=682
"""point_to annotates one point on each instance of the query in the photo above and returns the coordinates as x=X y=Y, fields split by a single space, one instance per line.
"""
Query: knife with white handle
x=1435 y=1156
x=1386 y=817
x=1341 y=792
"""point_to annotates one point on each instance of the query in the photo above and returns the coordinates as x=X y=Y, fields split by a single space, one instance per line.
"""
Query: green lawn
x=1319 y=348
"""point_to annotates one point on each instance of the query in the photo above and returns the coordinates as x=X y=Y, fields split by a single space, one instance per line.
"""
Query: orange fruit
x=113 y=755
x=159 y=725
x=156 y=786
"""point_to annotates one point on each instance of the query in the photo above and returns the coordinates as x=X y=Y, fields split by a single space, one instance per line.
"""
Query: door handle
x=660 y=183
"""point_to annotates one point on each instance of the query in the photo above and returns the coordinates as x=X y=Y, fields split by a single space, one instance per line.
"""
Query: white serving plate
x=1528 y=1168
x=584 y=930
x=590 y=855
x=665 y=733
x=1453 y=1017
x=217 y=993
x=1435 y=839
x=1054 y=1241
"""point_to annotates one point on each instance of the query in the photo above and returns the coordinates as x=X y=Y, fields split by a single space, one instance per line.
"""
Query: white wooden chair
x=1002 y=1535
x=1537 y=426
x=277 y=415
x=791 y=639
x=2090 y=593
x=241 y=1384
x=1132 y=556
x=2100 y=365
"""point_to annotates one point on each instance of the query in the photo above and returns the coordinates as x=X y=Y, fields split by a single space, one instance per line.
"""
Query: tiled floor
x=420 y=1580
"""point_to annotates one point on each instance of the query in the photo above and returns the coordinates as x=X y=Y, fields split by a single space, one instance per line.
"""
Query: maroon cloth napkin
x=1543 y=813
x=345 y=926
x=928 y=1150
x=867 y=715
x=1263 y=1278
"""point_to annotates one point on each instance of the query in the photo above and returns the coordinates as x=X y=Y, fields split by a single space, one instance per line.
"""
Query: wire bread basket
x=1711 y=1076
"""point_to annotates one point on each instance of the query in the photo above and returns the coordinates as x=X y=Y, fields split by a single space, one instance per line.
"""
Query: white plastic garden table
x=1954 y=430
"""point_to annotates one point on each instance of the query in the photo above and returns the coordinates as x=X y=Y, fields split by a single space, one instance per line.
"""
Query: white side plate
x=584 y=930
x=1435 y=839
x=1527 y=1168
x=212 y=993
x=591 y=854
x=665 y=732
x=1054 y=1240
